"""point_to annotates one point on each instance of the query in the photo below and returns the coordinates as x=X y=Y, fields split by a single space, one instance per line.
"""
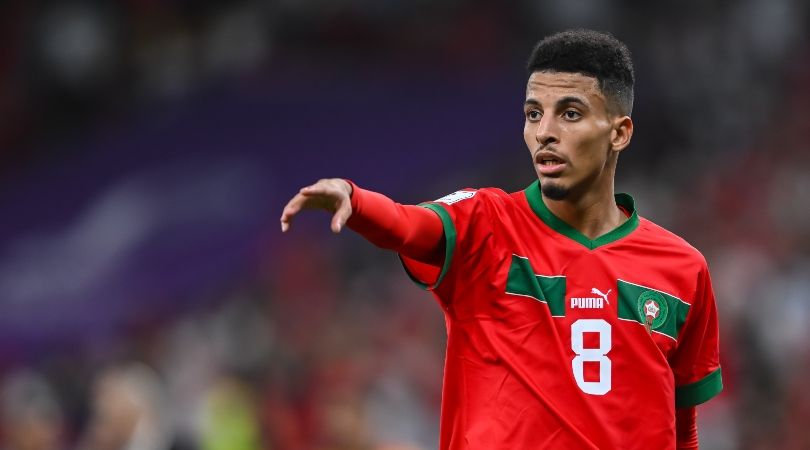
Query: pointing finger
x=292 y=208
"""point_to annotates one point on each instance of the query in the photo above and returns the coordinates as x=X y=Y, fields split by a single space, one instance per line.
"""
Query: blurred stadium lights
x=76 y=45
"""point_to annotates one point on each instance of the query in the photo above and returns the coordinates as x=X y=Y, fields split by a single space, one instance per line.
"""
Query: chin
x=553 y=191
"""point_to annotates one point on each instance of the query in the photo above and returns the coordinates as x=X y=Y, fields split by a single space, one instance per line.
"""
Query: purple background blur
x=149 y=301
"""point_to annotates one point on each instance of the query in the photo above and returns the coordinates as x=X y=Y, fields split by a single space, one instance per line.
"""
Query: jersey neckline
x=534 y=196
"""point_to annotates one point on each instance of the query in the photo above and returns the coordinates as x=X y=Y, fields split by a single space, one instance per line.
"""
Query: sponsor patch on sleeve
x=456 y=197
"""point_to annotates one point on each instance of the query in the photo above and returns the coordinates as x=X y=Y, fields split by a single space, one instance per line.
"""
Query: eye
x=533 y=115
x=572 y=114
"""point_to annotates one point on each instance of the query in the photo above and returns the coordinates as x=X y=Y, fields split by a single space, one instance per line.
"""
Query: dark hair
x=591 y=53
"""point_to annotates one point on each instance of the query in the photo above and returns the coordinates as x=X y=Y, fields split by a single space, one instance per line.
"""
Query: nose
x=547 y=131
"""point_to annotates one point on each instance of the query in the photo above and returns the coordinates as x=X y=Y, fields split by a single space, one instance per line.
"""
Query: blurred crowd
x=321 y=342
x=352 y=361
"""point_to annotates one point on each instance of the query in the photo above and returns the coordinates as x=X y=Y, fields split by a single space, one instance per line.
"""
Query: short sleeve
x=696 y=362
x=464 y=216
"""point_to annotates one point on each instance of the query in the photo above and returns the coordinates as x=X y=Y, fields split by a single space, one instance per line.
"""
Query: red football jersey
x=559 y=341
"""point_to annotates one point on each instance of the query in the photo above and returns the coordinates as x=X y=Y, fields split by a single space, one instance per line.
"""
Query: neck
x=592 y=214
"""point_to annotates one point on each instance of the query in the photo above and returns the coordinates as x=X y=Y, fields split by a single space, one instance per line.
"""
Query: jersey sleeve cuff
x=449 y=248
x=700 y=391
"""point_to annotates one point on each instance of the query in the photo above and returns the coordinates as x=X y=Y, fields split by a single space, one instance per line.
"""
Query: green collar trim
x=535 y=198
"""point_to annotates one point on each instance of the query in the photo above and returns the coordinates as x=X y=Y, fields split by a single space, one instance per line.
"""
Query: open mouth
x=549 y=164
x=550 y=161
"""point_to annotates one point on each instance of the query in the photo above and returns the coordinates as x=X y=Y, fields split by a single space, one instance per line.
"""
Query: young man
x=573 y=323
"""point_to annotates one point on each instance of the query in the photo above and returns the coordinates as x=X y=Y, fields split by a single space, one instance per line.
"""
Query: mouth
x=549 y=164
x=550 y=161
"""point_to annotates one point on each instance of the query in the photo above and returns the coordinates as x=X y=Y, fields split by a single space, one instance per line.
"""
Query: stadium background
x=149 y=301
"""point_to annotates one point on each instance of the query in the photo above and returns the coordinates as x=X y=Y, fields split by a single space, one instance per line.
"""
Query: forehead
x=549 y=85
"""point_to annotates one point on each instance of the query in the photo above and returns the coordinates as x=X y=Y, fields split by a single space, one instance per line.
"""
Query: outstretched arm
x=413 y=231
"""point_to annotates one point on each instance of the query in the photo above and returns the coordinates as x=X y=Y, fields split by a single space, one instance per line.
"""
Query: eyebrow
x=571 y=99
x=561 y=102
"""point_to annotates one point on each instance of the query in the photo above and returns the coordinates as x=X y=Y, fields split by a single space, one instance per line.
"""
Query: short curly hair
x=591 y=53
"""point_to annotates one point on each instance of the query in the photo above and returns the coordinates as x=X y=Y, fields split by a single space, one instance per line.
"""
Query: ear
x=621 y=133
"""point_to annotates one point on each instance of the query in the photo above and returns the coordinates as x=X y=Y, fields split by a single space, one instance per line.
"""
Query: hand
x=333 y=195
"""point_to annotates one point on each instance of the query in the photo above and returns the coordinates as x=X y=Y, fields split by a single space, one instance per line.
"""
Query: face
x=573 y=139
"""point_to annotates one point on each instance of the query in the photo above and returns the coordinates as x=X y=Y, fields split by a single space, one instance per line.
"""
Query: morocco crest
x=652 y=309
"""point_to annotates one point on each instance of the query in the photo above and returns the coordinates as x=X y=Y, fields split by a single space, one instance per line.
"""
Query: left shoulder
x=659 y=238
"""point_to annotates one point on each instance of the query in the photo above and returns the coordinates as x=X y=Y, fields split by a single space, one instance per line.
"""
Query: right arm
x=413 y=231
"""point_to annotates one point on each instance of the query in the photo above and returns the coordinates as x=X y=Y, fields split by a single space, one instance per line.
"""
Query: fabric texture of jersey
x=563 y=342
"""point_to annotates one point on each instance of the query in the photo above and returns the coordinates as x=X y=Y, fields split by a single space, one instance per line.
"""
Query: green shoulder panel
x=657 y=310
x=547 y=289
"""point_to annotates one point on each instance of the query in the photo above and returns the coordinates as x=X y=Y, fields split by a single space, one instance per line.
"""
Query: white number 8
x=599 y=355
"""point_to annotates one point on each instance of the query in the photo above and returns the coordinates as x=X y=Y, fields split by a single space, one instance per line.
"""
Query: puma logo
x=591 y=302
x=599 y=293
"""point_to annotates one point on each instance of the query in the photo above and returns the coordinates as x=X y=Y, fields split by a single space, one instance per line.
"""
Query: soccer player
x=572 y=321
